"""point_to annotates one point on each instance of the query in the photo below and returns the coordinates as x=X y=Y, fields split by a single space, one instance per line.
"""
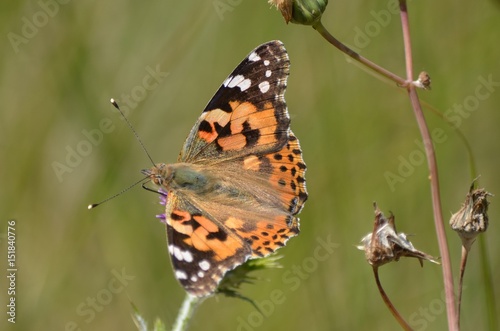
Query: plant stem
x=389 y=304
x=488 y=284
x=434 y=178
x=187 y=310
x=343 y=48
x=429 y=149
x=463 y=263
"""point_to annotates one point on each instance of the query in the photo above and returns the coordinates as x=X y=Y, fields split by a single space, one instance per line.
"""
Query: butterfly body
x=239 y=181
x=178 y=177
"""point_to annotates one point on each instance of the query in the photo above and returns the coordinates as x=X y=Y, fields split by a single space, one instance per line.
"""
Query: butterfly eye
x=158 y=180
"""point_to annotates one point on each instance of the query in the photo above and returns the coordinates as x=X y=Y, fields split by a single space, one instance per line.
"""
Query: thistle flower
x=472 y=218
x=385 y=245
x=306 y=12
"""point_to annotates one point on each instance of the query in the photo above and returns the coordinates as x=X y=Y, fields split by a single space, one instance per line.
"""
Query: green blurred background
x=55 y=84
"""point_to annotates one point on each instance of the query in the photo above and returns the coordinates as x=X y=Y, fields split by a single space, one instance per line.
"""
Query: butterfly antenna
x=91 y=206
x=115 y=104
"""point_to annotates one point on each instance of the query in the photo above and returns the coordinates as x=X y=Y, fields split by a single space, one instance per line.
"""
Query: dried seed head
x=423 y=81
x=305 y=12
x=385 y=245
x=472 y=218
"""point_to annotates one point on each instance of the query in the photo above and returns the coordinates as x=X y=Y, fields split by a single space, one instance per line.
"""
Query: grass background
x=353 y=128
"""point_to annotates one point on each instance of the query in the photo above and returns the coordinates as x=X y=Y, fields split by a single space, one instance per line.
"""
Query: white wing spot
x=254 y=57
x=180 y=274
x=245 y=84
x=234 y=81
x=187 y=256
x=240 y=81
x=266 y=62
x=268 y=73
x=194 y=278
x=177 y=253
x=264 y=86
x=201 y=274
x=204 y=265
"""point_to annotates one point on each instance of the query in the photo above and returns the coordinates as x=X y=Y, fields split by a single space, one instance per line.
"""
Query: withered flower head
x=385 y=245
x=472 y=218
x=423 y=81
x=305 y=12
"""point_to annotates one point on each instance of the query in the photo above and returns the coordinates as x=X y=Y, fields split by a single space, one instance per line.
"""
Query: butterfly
x=239 y=182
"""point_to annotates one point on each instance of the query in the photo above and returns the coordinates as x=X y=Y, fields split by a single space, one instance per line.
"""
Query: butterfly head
x=159 y=174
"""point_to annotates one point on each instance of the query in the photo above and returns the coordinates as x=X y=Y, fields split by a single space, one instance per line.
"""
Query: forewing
x=248 y=112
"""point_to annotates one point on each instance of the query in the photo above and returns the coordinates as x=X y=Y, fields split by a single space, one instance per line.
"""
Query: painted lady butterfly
x=239 y=180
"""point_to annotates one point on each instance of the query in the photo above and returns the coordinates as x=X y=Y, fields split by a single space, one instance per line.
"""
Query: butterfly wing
x=201 y=250
x=248 y=110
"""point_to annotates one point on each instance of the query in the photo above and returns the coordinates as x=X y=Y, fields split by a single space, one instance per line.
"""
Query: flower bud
x=305 y=12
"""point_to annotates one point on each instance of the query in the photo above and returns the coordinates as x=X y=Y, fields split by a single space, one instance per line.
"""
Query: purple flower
x=163 y=202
